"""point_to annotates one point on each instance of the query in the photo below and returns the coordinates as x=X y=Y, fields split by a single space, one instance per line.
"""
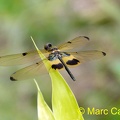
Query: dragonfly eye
x=48 y=46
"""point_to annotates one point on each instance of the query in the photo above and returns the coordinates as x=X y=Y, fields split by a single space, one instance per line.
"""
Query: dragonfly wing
x=75 y=44
x=29 y=72
x=35 y=70
x=84 y=56
x=21 y=58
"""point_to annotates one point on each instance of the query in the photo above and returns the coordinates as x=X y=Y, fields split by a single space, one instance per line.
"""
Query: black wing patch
x=57 y=66
x=73 y=62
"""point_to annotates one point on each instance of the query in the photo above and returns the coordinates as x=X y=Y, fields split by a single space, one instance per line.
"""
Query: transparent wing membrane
x=21 y=58
x=29 y=72
x=84 y=56
x=74 y=45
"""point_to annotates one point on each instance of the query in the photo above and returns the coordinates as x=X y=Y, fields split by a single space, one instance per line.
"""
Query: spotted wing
x=29 y=72
x=84 y=56
x=21 y=58
x=74 y=45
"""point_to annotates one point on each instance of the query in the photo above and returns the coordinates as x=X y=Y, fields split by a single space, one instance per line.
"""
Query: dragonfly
x=64 y=56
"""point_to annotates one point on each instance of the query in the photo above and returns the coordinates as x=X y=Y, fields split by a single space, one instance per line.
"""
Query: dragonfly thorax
x=57 y=54
x=54 y=55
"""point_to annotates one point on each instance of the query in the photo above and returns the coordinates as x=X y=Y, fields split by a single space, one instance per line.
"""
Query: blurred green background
x=98 y=82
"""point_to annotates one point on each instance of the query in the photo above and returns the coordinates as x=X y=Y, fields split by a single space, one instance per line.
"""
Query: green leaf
x=64 y=104
x=44 y=112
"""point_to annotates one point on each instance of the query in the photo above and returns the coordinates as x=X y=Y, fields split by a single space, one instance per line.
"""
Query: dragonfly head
x=48 y=47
